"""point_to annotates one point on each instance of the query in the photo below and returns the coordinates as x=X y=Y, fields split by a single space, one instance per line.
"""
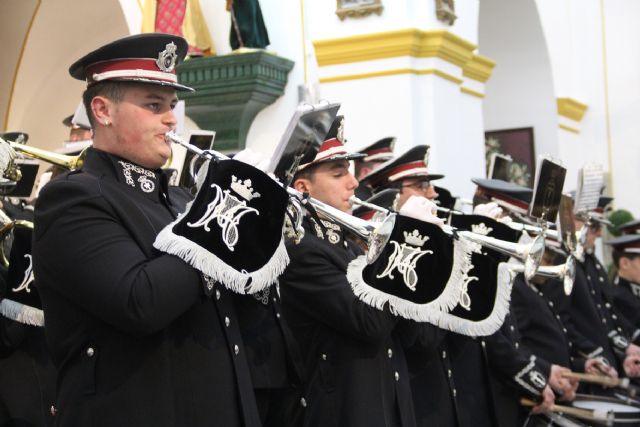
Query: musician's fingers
x=548 y=399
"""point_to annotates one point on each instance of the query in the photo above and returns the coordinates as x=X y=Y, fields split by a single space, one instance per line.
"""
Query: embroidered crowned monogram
x=227 y=210
x=28 y=277
x=146 y=184
x=404 y=258
x=481 y=229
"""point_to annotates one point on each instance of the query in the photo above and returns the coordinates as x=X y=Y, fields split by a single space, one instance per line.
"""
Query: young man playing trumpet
x=138 y=337
x=356 y=368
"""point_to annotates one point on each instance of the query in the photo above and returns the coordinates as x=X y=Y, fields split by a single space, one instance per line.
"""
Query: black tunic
x=542 y=330
x=356 y=367
x=135 y=335
x=273 y=356
x=625 y=297
x=586 y=310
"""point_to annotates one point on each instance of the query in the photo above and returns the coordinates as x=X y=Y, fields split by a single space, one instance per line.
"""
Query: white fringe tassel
x=21 y=313
x=429 y=312
x=209 y=264
x=437 y=312
x=494 y=321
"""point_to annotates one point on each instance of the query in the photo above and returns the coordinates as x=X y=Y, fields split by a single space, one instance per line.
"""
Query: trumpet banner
x=429 y=276
x=232 y=230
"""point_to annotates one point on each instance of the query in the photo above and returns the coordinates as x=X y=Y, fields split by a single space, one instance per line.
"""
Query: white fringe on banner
x=430 y=312
x=493 y=322
x=208 y=263
x=21 y=313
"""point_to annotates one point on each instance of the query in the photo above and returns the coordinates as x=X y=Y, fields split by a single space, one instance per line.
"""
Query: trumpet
x=533 y=229
x=530 y=254
x=374 y=234
x=62 y=160
x=565 y=272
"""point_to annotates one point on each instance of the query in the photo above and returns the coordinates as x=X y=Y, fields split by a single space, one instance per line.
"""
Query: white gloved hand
x=253 y=158
x=491 y=210
x=421 y=208
x=505 y=219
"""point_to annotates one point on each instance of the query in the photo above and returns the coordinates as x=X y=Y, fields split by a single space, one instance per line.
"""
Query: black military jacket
x=514 y=371
x=27 y=375
x=356 y=367
x=136 y=337
x=272 y=352
x=625 y=297
x=432 y=383
x=585 y=310
x=542 y=329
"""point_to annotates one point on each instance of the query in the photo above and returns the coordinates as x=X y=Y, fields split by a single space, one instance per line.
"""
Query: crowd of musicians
x=103 y=326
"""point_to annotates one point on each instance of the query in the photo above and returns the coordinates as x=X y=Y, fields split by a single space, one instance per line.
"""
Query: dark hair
x=479 y=198
x=110 y=89
x=359 y=164
x=617 y=254
x=306 y=173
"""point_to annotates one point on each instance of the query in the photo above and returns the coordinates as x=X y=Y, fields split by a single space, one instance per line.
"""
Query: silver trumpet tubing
x=530 y=254
x=374 y=234
x=534 y=229
x=356 y=201
x=565 y=272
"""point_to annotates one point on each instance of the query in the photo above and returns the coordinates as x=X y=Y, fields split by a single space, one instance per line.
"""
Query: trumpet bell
x=569 y=275
x=533 y=257
x=379 y=237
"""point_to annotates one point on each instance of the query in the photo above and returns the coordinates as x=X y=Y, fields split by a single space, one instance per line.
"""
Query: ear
x=101 y=108
x=303 y=185
x=365 y=170
x=623 y=263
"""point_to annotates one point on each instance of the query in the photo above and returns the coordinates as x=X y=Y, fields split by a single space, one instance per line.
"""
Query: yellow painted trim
x=606 y=100
x=140 y=7
x=569 y=128
x=393 y=72
x=390 y=44
x=471 y=92
x=304 y=41
x=19 y=63
x=442 y=74
x=571 y=109
x=479 y=68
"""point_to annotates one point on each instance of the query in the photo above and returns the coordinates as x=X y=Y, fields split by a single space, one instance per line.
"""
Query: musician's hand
x=491 y=210
x=597 y=366
x=632 y=349
x=548 y=399
x=631 y=365
x=421 y=208
x=566 y=387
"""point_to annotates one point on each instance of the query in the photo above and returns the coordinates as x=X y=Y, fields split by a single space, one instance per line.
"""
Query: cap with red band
x=333 y=146
x=628 y=243
x=508 y=195
x=145 y=58
x=379 y=151
x=412 y=164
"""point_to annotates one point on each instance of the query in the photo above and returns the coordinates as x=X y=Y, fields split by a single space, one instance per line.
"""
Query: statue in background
x=181 y=18
x=247 y=26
